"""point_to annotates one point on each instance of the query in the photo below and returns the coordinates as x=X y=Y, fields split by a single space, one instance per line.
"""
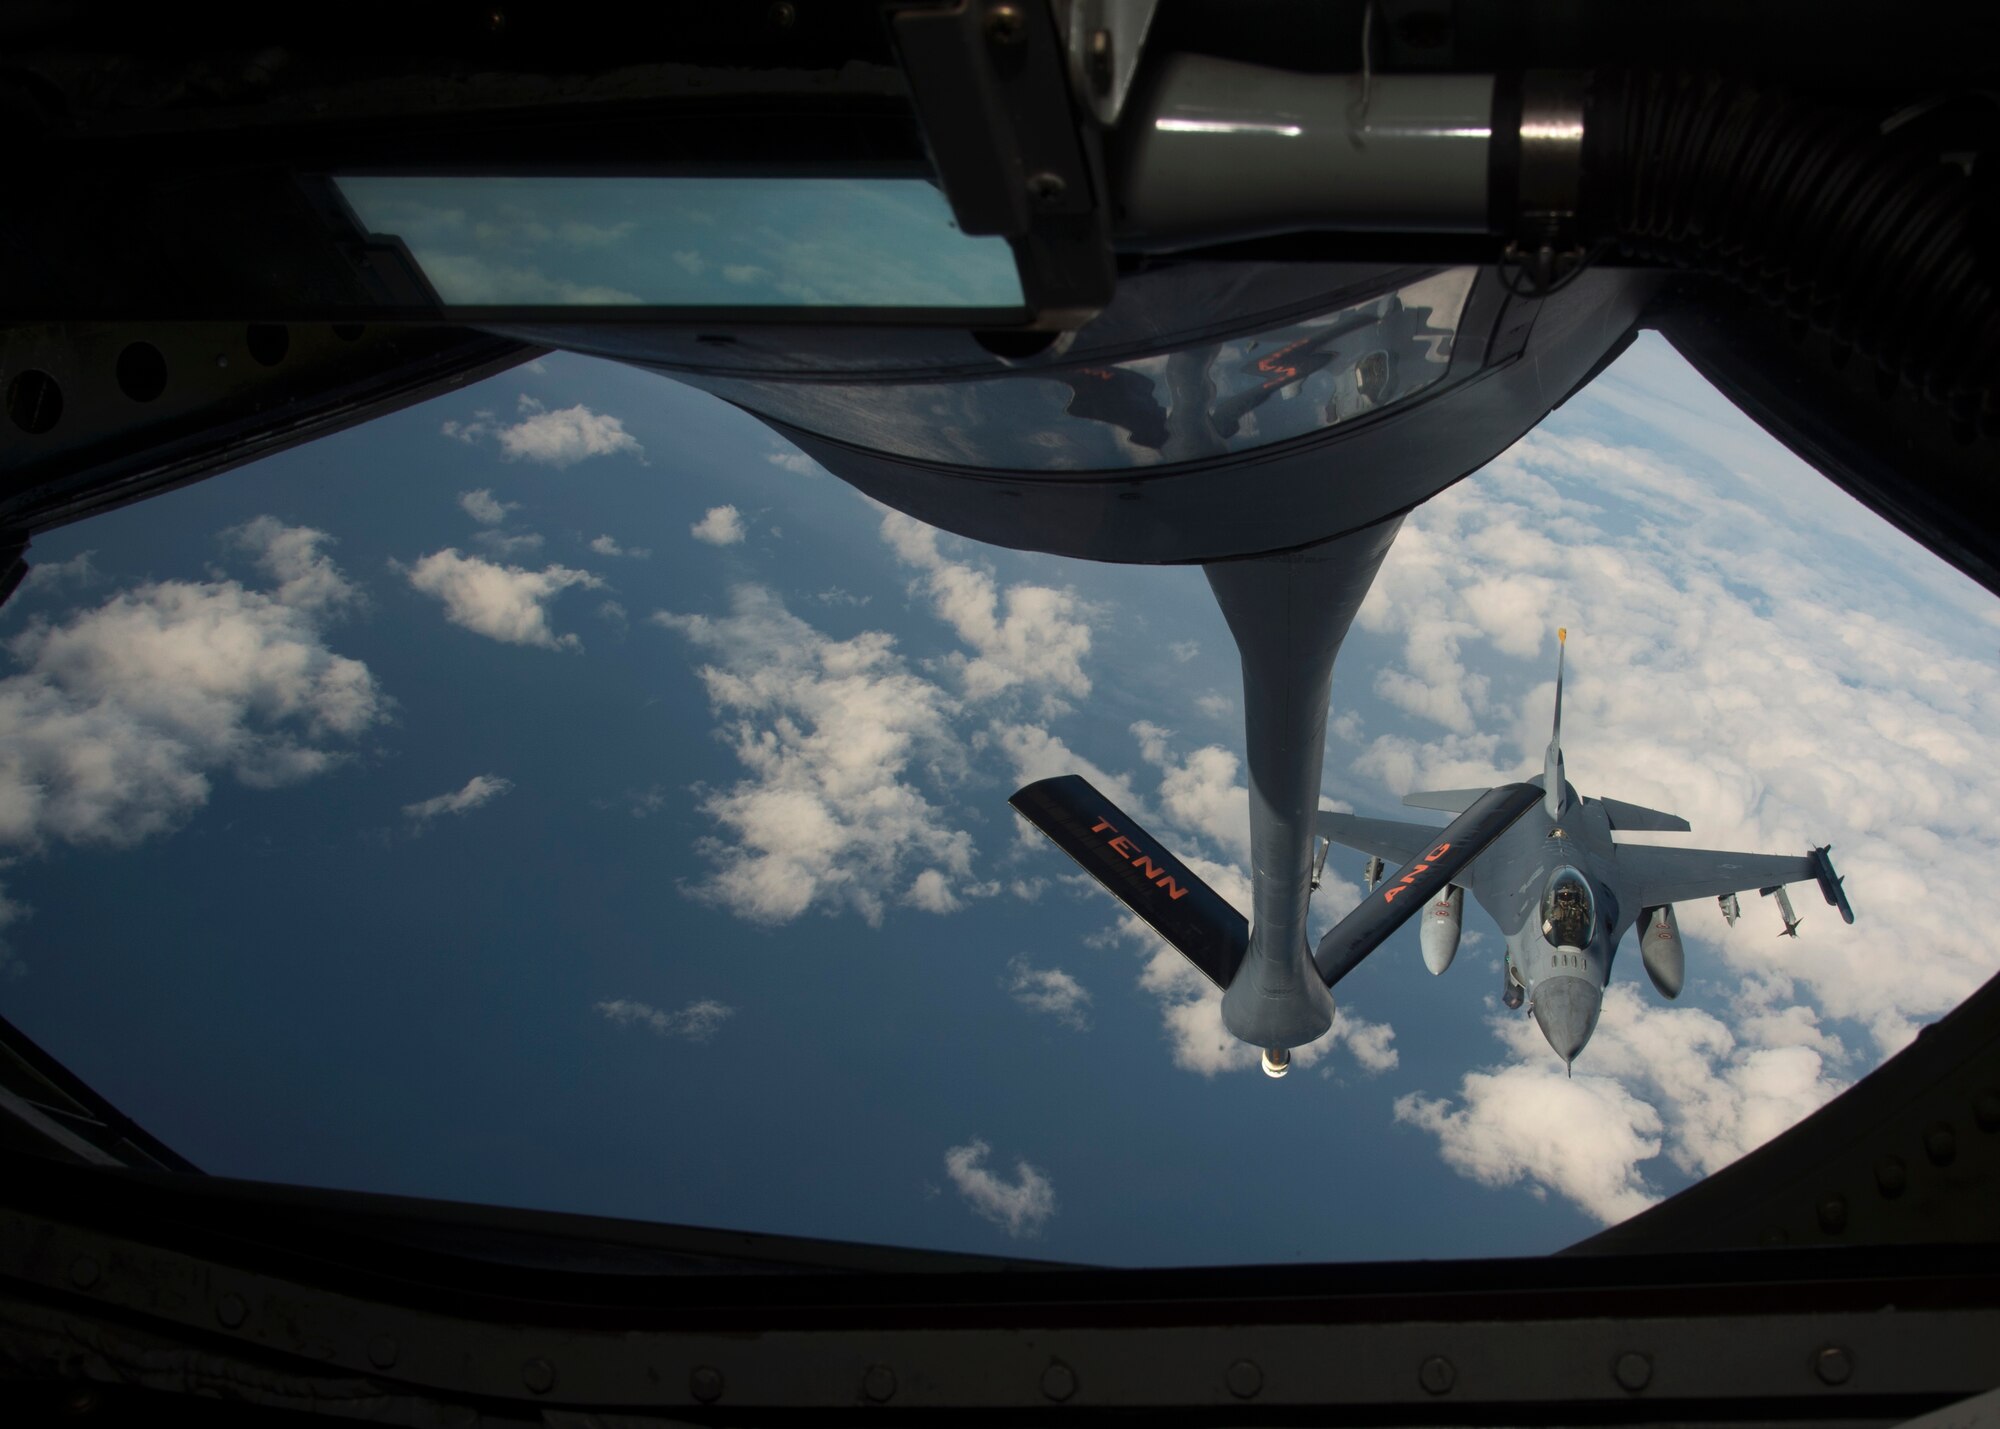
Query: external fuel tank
x=1661 y=950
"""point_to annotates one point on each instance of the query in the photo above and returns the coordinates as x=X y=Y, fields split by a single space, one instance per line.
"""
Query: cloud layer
x=1778 y=683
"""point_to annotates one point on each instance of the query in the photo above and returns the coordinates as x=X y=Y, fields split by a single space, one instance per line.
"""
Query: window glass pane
x=687 y=242
x=1181 y=406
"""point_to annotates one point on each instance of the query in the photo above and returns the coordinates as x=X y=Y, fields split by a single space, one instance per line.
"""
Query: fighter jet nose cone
x=1566 y=1009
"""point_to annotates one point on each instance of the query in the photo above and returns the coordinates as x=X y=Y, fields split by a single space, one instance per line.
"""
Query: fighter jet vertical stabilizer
x=1552 y=762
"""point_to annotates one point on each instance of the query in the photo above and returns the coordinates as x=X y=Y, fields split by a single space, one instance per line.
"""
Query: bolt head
x=1246 y=1380
x=1892 y=1178
x=1059 y=1381
x=1437 y=1375
x=1834 y=1365
x=1941 y=1143
x=1633 y=1370
x=84 y=1272
x=1986 y=1110
x=383 y=1351
x=705 y=1384
x=879 y=1384
x=1046 y=189
x=539 y=1376
x=1006 y=25
x=1833 y=1214
x=232 y=1311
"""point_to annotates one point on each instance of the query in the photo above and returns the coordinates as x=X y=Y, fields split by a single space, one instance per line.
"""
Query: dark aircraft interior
x=1802 y=198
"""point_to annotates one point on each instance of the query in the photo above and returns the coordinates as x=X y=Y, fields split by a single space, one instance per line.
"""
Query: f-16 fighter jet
x=1539 y=858
x=1564 y=892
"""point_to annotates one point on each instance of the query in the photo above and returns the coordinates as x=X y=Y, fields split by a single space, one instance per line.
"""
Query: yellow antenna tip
x=1562 y=635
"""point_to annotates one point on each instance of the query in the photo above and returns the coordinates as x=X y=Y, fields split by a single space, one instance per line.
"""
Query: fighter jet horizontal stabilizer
x=1452 y=801
x=1421 y=879
x=1639 y=819
x=1141 y=874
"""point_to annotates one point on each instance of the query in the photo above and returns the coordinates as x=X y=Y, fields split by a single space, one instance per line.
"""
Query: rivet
x=231 y=1310
x=1437 y=1375
x=1833 y=1364
x=383 y=1351
x=879 y=1384
x=539 y=1376
x=1833 y=1214
x=1772 y=1235
x=1245 y=1379
x=1046 y=189
x=1892 y=1178
x=1633 y=1370
x=1100 y=61
x=1058 y=1381
x=705 y=1384
x=1941 y=1143
x=222 y=359
x=1004 y=25
x=1986 y=1110
x=84 y=1272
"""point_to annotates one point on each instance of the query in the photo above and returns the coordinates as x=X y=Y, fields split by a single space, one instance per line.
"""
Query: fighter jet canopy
x=1567 y=909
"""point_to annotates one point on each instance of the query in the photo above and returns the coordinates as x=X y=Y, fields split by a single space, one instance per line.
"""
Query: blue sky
x=564 y=794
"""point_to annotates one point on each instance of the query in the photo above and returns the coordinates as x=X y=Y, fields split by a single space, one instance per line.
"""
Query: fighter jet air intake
x=1538 y=857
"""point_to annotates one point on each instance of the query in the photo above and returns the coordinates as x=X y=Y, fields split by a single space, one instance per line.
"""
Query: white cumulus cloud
x=1050 y=990
x=486 y=508
x=479 y=789
x=1020 y=1206
x=505 y=603
x=559 y=438
x=1029 y=635
x=722 y=526
x=606 y=546
x=290 y=555
x=832 y=734
x=120 y=715
x=697 y=1022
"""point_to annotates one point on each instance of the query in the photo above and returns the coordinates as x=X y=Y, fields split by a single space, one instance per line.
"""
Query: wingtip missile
x=1831 y=885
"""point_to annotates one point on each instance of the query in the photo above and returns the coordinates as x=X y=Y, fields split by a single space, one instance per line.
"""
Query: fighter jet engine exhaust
x=1277 y=1061
x=1443 y=921
x=1661 y=949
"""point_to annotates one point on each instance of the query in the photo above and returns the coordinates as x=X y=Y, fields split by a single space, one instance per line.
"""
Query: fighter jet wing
x=1652 y=876
x=1390 y=840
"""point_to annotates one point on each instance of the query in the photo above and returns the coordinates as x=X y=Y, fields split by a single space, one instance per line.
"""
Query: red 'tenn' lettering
x=1389 y=896
x=1129 y=851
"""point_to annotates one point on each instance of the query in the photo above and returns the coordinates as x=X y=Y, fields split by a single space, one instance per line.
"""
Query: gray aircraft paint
x=1289 y=615
x=1290 y=534
x=1564 y=979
